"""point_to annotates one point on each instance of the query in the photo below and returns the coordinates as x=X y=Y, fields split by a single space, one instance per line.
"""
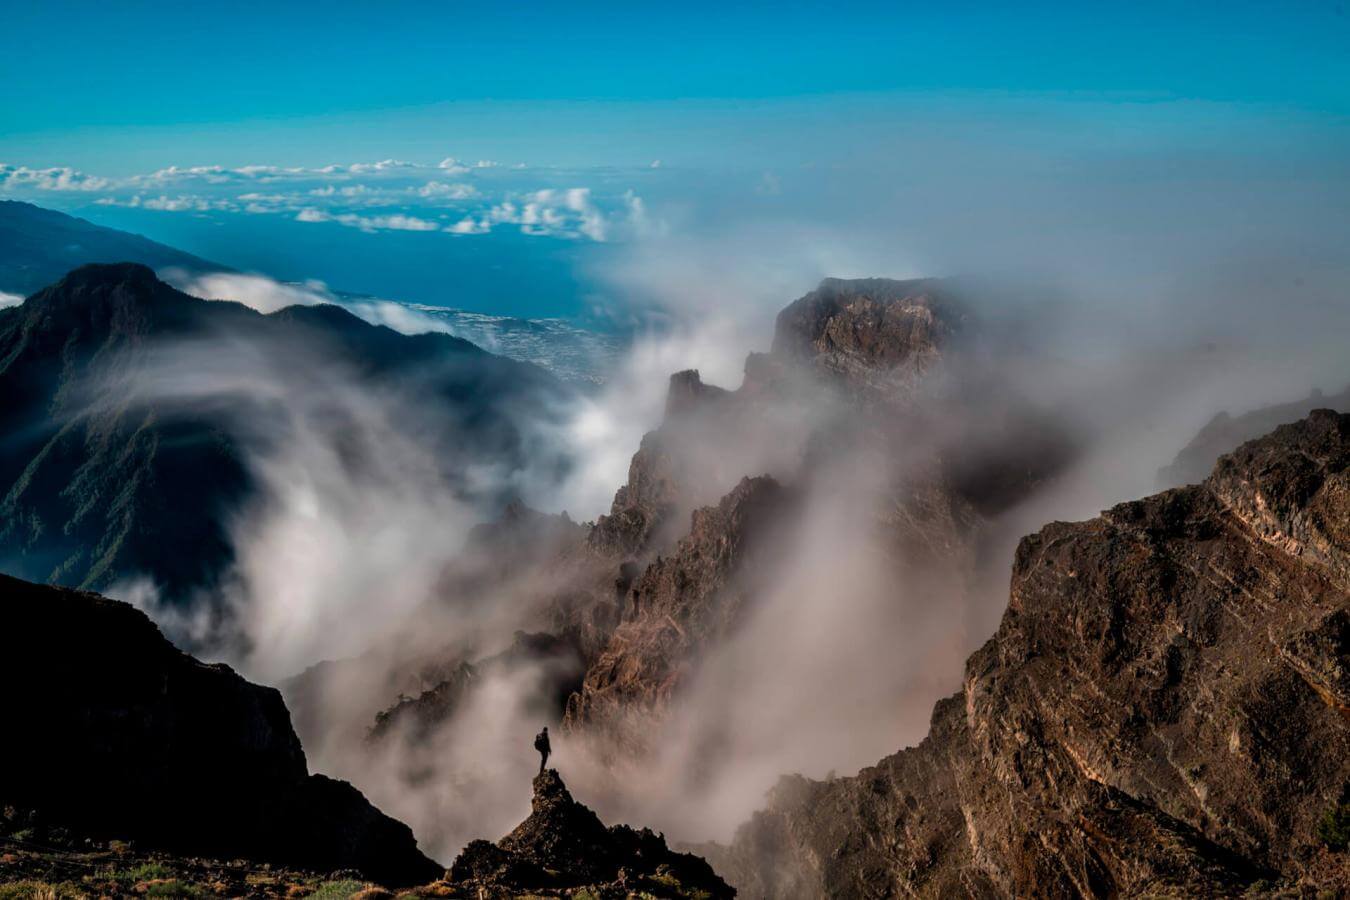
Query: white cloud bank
x=451 y=197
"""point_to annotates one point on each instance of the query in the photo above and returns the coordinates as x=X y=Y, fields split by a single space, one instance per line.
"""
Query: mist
x=1131 y=297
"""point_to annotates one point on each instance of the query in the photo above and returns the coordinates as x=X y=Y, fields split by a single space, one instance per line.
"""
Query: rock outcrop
x=563 y=846
x=876 y=336
x=1165 y=710
x=674 y=468
x=678 y=607
x=113 y=732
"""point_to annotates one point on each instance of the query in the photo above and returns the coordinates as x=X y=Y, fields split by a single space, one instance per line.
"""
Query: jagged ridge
x=1164 y=709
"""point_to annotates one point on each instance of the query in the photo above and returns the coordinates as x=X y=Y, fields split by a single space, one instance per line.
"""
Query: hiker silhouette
x=541 y=744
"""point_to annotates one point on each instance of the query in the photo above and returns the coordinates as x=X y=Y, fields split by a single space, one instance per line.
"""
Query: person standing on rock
x=541 y=744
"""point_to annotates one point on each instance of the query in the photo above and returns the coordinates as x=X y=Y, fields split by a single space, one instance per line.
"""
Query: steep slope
x=1225 y=432
x=563 y=845
x=1165 y=709
x=104 y=478
x=124 y=736
x=678 y=607
x=38 y=246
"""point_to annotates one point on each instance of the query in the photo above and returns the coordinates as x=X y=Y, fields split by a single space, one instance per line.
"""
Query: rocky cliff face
x=678 y=607
x=563 y=846
x=117 y=733
x=1164 y=710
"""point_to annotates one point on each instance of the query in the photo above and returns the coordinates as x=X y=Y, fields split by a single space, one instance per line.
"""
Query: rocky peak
x=688 y=392
x=560 y=833
x=91 y=306
x=1290 y=488
x=563 y=844
x=871 y=334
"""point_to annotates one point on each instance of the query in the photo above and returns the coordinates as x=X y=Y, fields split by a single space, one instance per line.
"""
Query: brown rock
x=1163 y=710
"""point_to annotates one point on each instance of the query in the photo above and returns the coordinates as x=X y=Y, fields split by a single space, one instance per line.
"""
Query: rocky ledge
x=563 y=847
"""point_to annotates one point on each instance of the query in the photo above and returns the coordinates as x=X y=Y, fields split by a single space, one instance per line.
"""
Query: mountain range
x=38 y=246
x=123 y=459
x=1163 y=709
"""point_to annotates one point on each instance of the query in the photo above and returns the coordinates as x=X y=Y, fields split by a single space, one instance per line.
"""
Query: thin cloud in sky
x=390 y=195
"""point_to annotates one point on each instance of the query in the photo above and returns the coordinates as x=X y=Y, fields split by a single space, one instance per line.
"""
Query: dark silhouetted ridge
x=38 y=246
x=124 y=736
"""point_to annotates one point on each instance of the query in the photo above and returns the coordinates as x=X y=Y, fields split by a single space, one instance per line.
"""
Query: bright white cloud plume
x=7 y=299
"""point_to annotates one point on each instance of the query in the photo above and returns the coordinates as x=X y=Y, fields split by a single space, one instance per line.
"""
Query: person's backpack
x=540 y=742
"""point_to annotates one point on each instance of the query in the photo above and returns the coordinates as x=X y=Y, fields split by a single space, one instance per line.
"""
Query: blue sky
x=526 y=144
x=102 y=78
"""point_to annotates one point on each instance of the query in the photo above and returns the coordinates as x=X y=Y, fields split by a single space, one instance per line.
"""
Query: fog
x=1130 y=298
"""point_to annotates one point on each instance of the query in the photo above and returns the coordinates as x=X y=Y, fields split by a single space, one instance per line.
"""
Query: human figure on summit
x=541 y=744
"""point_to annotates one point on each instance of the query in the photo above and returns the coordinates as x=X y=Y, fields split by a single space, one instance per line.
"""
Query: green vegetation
x=172 y=888
x=148 y=871
x=338 y=890
x=40 y=890
x=1334 y=828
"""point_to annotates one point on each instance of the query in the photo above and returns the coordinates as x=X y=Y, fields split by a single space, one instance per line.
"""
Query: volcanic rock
x=1165 y=710
x=679 y=606
x=563 y=844
x=874 y=335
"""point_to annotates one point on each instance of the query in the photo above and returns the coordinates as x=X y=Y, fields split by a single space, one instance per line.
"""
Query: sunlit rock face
x=1164 y=709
